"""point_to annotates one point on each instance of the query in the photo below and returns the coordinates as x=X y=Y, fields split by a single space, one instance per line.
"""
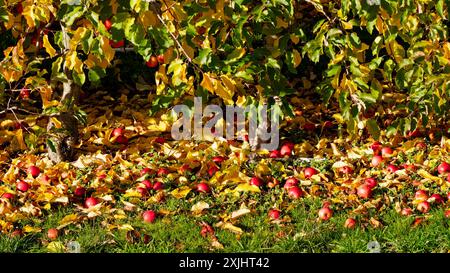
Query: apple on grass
x=386 y=151
x=274 y=214
x=22 y=186
x=52 y=233
x=158 y=186
x=308 y=172
x=147 y=184
x=350 y=223
x=406 y=211
x=162 y=171
x=290 y=182
x=275 y=154
x=371 y=182
x=212 y=170
x=149 y=216
x=364 y=191
x=203 y=187
x=421 y=195
x=423 y=206
x=286 y=149
x=33 y=171
x=295 y=192
x=377 y=160
x=325 y=213
x=256 y=181
x=444 y=167
x=90 y=202
x=79 y=191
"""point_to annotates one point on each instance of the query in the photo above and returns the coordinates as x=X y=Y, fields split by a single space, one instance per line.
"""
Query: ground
x=233 y=215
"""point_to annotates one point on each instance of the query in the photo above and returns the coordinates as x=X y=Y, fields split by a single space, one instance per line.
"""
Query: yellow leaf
x=427 y=175
x=48 y=47
x=30 y=229
x=225 y=94
x=55 y=247
x=19 y=136
x=297 y=58
x=56 y=122
x=29 y=15
x=148 y=18
x=181 y=192
x=245 y=187
x=107 y=49
x=67 y=220
x=207 y=83
x=199 y=207
x=188 y=49
x=232 y=228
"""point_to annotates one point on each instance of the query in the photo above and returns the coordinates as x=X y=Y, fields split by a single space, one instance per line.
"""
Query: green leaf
x=373 y=129
x=51 y=145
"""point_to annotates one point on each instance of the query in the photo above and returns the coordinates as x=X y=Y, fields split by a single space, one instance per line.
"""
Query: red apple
x=406 y=211
x=286 y=150
x=160 y=58
x=444 y=167
x=185 y=168
x=275 y=154
x=212 y=170
x=376 y=147
x=218 y=159
x=52 y=234
x=145 y=171
x=448 y=177
x=122 y=140
x=160 y=140
x=8 y=195
x=149 y=216
x=79 y=191
x=448 y=196
x=309 y=127
x=308 y=172
x=143 y=191
x=162 y=171
x=392 y=168
x=350 y=223
x=90 y=202
x=34 y=171
x=437 y=198
x=325 y=213
x=256 y=181
x=364 y=191
x=117 y=44
x=295 y=192
x=346 y=170
x=327 y=124
x=22 y=186
x=421 y=195
x=201 y=30
x=152 y=62
x=118 y=132
x=411 y=167
x=25 y=93
x=274 y=214
x=147 y=184
x=102 y=176
x=203 y=187
x=19 y=8
x=423 y=207
x=377 y=160
x=371 y=182
x=421 y=145
x=290 y=182
x=108 y=24
x=158 y=186
x=386 y=151
x=447 y=213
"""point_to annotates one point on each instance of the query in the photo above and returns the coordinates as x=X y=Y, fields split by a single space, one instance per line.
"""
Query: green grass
x=302 y=232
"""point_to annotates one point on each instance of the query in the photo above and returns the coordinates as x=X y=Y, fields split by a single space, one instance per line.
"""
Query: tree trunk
x=63 y=135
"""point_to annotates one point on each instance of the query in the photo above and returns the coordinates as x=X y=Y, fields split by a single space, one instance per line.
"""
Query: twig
x=15 y=116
